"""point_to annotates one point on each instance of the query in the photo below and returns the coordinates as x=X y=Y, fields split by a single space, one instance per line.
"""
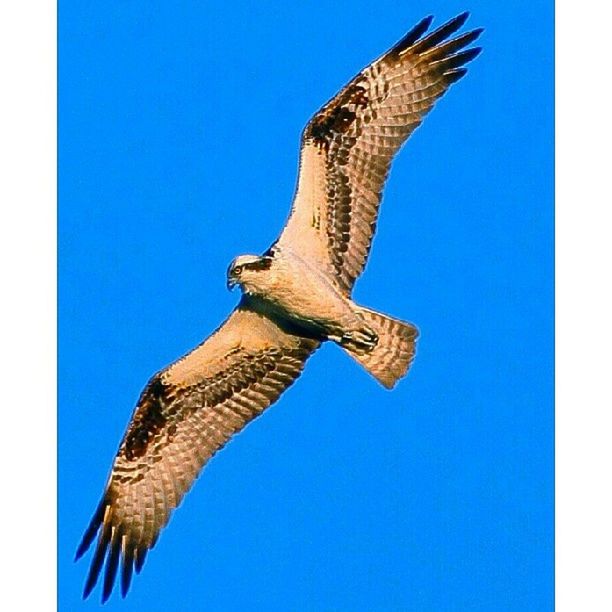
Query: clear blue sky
x=179 y=128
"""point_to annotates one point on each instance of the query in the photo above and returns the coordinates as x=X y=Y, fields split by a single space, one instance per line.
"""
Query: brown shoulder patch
x=149 y=419
x=338 y=115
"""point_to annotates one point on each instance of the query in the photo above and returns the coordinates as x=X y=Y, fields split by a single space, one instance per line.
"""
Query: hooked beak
x=231 y=283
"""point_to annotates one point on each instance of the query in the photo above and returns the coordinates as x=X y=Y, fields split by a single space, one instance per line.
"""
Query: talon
x=365 y=339
x=371 y=341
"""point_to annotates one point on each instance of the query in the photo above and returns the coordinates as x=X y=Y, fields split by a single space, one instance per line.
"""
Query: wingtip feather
x=413 y=35
x=92 y=530
x=452 y=76
x=472 y=54
x=112 y=563
x=98 y=560
x=139 y=559
x=426 y=21
x=471 y=36
x=88 y=589
x=452 y=25
x=457 y=60
x=126 y=575
x=440 y=34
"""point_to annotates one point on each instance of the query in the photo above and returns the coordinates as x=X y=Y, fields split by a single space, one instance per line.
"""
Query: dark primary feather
x=411 y=37
x=91 y=531
x=442 y=33
x=127 y=567
x=98 y=559
x=112 y=562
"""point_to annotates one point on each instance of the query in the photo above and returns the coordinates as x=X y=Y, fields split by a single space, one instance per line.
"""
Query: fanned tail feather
x=391 y=357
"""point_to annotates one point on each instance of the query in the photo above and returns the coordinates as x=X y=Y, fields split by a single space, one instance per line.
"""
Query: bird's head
x=246 y=270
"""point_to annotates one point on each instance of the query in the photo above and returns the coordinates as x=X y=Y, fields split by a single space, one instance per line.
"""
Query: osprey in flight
x=294 y=297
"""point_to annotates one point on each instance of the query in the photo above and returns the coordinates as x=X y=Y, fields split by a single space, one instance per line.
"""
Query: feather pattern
x=348 y=146
x=184 y=416
x=189 y=410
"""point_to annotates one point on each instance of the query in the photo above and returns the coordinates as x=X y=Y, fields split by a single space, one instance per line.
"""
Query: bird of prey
x=294 y=297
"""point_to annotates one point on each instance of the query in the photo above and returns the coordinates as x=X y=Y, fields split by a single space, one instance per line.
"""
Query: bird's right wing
x=186 y=413
x=348 y=146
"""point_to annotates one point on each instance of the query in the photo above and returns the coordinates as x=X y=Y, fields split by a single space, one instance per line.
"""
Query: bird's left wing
x=348 y=146
x=186 y=413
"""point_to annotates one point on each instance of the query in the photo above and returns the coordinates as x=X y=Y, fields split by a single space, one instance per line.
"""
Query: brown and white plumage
x=348 y=146
x=295 y=296
x=186 y=413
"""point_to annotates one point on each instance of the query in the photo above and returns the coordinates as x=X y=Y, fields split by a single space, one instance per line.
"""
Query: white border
x=584 y=308
x=28 y=280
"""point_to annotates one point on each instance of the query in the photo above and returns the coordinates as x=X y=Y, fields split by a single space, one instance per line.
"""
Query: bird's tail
x=390 y=359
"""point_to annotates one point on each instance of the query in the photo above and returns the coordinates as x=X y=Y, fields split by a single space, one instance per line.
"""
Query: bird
x=294 y=297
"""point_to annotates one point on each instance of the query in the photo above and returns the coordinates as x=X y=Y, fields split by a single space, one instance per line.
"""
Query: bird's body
x=296 y=296
x=294 y=290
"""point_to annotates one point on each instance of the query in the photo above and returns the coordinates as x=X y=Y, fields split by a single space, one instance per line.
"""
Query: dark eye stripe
x=261 y=264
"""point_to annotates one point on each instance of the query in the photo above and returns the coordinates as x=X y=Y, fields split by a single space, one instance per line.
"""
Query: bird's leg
x=363 y=339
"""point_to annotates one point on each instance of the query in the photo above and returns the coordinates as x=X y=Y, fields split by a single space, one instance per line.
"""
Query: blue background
x=178 y=138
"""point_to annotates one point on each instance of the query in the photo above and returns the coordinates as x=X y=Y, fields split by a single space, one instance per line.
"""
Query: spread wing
x=348 y=146
x=186 y=413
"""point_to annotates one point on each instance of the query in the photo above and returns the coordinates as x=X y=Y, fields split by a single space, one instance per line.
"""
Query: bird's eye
x=237 y=270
